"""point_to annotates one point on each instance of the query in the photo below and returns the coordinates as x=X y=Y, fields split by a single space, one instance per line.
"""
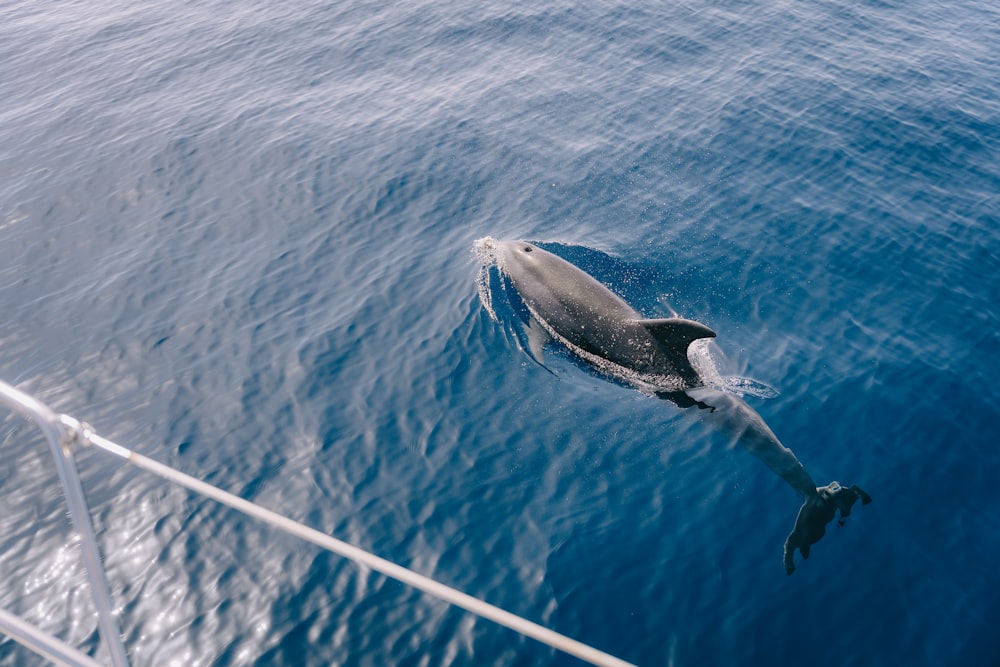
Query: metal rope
x=341 y=548
x=62 y=431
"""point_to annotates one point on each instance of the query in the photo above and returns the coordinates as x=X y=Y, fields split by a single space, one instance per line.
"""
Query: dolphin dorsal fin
x=676 y=333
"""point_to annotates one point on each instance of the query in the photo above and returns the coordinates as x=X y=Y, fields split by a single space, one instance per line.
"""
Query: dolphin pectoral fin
x=817 y=511
x=676 y=333
x=538 y=337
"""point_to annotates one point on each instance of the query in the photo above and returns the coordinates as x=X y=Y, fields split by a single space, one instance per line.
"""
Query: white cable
x=388 y=568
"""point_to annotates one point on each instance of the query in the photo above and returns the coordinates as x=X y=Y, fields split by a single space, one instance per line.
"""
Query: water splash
x=740 y=386
x=485 y=251
x=706 y=358
x=485 y=293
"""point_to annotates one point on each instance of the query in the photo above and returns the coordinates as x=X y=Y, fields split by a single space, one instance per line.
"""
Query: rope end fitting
x=74 y=433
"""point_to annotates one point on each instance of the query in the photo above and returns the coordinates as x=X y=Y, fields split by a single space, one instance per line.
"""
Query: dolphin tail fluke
x=818 y=510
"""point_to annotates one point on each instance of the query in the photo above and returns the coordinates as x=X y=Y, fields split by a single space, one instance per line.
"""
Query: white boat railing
x=64 y=432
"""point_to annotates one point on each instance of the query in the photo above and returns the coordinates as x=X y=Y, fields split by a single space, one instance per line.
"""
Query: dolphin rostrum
x=595 y=324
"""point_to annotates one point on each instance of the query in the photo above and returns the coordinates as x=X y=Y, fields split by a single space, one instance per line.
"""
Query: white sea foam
x=485 y=251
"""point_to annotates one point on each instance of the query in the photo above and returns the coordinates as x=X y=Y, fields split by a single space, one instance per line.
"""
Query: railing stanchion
x=61 y=435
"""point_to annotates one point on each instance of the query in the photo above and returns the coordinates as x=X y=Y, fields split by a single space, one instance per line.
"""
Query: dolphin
x=595 y=324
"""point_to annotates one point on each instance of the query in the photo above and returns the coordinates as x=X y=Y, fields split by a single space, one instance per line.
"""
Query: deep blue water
x=237 y=238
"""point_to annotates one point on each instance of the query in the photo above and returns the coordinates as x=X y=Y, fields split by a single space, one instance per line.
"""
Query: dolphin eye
x=527 y=248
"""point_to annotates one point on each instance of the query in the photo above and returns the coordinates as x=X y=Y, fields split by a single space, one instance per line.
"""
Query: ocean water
x=237 y=237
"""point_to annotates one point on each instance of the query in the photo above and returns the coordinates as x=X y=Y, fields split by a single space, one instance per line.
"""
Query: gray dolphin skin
x=598 y=326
